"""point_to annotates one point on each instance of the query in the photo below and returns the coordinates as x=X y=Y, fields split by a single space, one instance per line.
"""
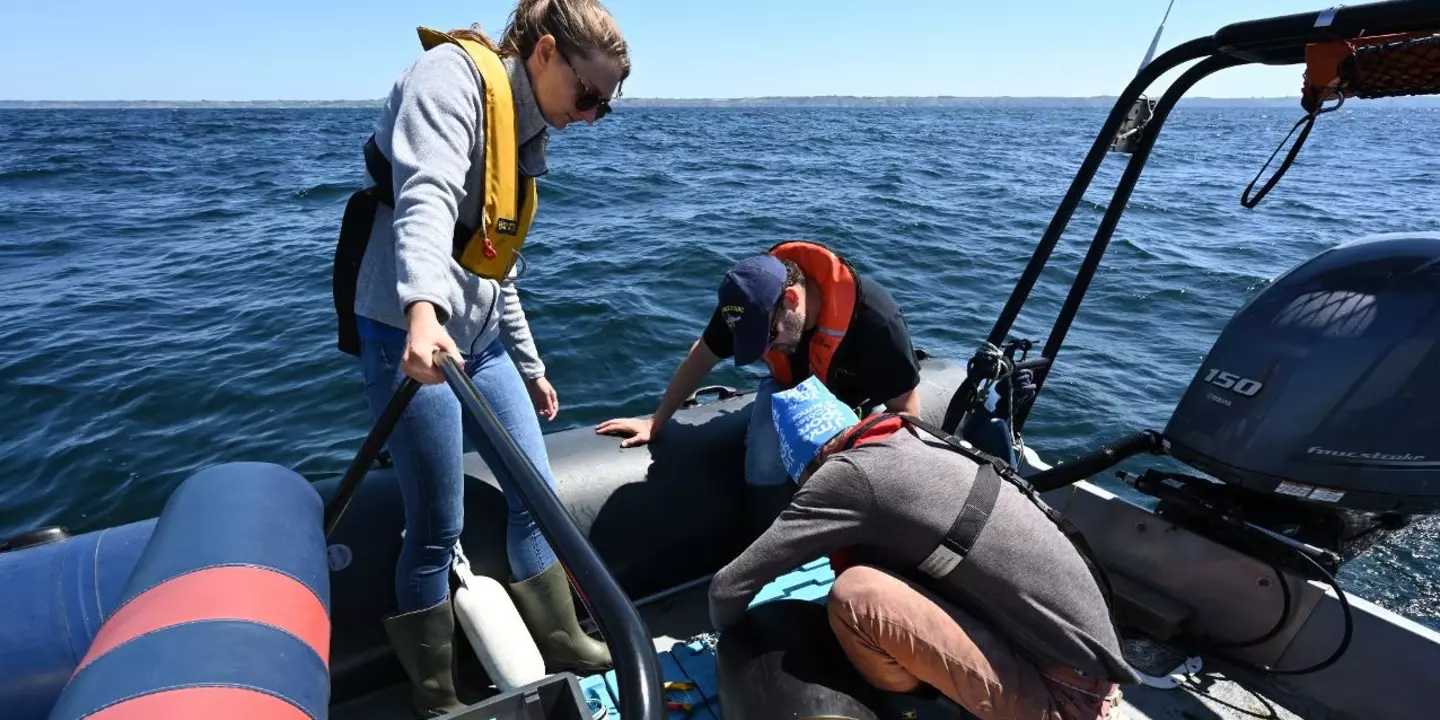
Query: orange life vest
x=838 y=293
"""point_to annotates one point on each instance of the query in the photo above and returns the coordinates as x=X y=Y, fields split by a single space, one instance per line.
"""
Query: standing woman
x=426 y=262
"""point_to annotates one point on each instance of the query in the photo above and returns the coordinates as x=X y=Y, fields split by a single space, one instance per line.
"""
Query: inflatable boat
x=1301 y=441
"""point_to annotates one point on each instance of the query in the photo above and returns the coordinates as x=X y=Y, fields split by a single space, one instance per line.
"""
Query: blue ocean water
x=166 y=273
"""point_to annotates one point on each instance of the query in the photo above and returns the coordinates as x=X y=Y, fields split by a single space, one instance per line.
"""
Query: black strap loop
x=1309 y=122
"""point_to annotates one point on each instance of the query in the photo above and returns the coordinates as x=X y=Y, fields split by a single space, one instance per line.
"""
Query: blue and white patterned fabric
x=806 y=417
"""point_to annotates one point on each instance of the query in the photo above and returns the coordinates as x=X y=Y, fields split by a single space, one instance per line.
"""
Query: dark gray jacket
x=892 y=501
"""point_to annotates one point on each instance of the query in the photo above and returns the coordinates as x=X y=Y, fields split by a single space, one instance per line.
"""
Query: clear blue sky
x=322 y=49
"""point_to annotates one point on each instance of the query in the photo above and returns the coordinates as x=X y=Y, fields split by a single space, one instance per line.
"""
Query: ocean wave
x=170 y=303
x=32 y=173
x=326 y=191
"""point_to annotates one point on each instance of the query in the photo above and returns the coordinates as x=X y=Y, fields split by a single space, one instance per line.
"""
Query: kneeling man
x=952 y=576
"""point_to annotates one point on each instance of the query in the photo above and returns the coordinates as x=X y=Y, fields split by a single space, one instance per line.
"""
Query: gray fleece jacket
x=432 y=131
x=890 y=502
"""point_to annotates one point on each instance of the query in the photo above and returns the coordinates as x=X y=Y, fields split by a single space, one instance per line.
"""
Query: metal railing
x=1272 y=41
x=636 y=669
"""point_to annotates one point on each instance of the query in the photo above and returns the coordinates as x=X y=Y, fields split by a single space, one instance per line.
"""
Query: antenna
x=1127 y=138
x=1155 y=42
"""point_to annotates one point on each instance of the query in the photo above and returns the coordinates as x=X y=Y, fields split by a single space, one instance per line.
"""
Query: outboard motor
x=1317 y=404
x=1312 y=417
x=1313 y=410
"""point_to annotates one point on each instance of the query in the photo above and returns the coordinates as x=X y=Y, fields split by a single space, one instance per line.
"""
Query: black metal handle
x=619 y=621
x=1035 y=363
x=721 y=392
x=1097 y=461
x=369 y=450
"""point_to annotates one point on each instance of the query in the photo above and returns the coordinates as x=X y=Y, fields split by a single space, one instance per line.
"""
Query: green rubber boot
x=421 y=639
x=545 y=604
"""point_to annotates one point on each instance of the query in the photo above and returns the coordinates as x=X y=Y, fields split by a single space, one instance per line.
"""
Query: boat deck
x=679 y=622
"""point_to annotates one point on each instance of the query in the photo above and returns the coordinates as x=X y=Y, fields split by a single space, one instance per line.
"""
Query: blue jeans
x=427 y=447
x=762 y=441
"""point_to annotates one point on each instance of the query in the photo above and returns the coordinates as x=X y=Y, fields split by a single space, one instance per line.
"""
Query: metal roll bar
x=636 y=669
x=1276 y=41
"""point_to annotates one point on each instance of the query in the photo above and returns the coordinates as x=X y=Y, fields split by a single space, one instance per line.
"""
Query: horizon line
x=745 y=101
x=695 y=98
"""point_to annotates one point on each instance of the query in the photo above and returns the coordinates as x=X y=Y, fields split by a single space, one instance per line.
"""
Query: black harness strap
x=980 y=502
x=960 y=539
x=860 y=429
x=964 y=448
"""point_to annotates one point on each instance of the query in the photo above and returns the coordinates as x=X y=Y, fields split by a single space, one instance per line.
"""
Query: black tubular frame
x=1275 y=41
x=636 y=670
x=369 y=450
x=1115 y=209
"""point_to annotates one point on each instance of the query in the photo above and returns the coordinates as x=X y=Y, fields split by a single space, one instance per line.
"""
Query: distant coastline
x=822 y=101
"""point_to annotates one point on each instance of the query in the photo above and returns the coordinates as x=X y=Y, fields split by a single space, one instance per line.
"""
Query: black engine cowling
x=1322 y=391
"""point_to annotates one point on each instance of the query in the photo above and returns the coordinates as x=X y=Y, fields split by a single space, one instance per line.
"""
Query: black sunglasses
x=775 y=319
x=587 y=97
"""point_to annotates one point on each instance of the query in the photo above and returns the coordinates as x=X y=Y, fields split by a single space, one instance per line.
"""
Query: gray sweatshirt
x=432 y=131
x=891 y=502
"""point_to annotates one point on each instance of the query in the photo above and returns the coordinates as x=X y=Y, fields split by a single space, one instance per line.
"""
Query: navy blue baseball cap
x=748 y=294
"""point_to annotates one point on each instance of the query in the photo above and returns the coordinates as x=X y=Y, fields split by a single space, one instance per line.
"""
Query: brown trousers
x=898 y=635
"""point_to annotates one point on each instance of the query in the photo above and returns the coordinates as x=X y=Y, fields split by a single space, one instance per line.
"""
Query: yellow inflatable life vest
x=510 y=200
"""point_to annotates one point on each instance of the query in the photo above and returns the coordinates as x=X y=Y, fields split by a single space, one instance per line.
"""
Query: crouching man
x=806 y=312
x=952 y=576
